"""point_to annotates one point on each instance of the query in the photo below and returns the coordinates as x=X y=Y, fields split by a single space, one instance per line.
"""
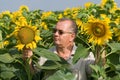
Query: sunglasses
x=60 y=32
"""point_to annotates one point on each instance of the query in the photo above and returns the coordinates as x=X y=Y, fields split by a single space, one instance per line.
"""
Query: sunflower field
x=98 y=32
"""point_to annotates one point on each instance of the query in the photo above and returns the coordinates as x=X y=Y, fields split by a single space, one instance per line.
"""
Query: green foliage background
x=12 y=67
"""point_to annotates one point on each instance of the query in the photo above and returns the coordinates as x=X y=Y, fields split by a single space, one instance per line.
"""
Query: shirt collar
x=72 y=53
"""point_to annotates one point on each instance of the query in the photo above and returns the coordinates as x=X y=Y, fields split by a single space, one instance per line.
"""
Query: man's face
x=63 y=35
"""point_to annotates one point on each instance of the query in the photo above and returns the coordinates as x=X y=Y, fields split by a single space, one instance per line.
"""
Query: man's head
x=65 y=32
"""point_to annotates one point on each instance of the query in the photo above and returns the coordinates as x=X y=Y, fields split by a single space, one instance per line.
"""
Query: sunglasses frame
x=60 y=32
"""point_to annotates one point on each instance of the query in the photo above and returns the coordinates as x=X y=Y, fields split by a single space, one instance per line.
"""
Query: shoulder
x=90 y=56
x=90 y=59
x=53 y=49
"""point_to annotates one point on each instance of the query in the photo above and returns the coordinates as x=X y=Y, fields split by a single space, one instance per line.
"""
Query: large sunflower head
x=98 y=31
x=27 y=36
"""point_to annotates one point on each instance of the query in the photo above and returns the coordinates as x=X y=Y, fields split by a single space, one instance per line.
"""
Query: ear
x=72 y=37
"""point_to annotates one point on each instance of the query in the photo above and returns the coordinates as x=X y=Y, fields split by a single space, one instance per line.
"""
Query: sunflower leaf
x=80 y=52
x=47 y=54
x=61 y=75
x=114 y=47
x=6 y=58
x=7 y=75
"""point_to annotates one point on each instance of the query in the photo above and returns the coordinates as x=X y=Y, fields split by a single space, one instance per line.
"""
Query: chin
x=57 y=43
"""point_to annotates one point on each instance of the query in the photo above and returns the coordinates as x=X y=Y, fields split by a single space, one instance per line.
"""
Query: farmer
x=64 y=35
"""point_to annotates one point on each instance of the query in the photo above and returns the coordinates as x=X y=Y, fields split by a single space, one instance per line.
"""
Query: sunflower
x=45 y=15
x=88 y=4
x=44 y=25
x=74 y=12
x=98 y=31
x=27 y=36
x=78 y=22
x=103 y=2
x=117 y=33
x=6 y=42
x=7 y=14
x=24 y=7
x=67 y=11
x=60 y=16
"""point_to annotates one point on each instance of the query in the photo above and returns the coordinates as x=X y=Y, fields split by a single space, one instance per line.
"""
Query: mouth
x=55 y=39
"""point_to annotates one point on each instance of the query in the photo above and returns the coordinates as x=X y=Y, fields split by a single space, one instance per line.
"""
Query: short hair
x=73 y=24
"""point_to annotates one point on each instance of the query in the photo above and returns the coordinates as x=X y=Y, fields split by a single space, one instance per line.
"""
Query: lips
x=56 y=39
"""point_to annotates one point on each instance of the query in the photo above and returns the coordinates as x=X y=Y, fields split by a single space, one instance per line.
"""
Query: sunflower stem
x=97 y=54
x=27 y=69
x=100 y=55
x=1 y=42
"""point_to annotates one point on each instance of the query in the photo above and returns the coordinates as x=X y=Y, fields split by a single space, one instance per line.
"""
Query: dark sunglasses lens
x=60 y=32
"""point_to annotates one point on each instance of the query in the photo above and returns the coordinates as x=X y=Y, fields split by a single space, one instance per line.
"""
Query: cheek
x=65 y=39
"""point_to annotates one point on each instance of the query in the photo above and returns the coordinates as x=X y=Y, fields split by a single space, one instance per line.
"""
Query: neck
x=65 y=52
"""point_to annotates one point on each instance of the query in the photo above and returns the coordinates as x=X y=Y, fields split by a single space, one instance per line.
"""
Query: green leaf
x=114 y=47
x=81 y=52
x=118 y=67
x=7 y=75
x=5 y=67
x=117 y=77
x=114 y=58
x=47 y=54
x=51 y=65
x=55 y=65
x=6 y=58
x=62 y=75
x=95 y=68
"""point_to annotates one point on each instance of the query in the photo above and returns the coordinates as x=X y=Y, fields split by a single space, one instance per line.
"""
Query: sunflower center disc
x=26 y=35
x=99 y=30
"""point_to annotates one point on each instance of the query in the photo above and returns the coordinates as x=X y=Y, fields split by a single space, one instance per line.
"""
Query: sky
x=46 y=5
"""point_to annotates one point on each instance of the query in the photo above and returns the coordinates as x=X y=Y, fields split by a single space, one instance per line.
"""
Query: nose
x=56 y=33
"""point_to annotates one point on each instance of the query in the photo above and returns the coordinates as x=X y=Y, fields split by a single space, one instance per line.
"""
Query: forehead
x=63 y=25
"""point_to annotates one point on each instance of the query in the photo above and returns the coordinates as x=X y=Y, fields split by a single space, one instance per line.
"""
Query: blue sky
x=46 y=5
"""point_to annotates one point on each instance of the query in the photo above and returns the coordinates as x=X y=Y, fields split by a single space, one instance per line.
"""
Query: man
x=64 y=34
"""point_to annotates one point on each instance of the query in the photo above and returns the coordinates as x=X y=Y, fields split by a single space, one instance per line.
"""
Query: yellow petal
x=20 y=46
